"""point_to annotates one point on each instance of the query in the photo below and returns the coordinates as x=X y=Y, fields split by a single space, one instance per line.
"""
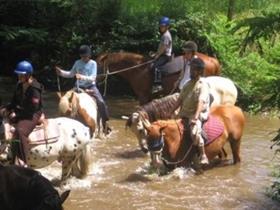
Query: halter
x=158 y=145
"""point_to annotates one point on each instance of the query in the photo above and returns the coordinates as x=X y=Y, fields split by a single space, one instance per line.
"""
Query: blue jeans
x=162 y=60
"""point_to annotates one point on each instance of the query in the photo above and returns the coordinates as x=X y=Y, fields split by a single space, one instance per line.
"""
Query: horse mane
x=159 y=108
x=68 y=99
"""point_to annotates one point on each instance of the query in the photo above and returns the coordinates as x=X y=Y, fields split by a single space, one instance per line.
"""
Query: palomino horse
x=140 y=78
x=166 y=140
x=24 y=188
x=221 y=89
x=80 y=106
x=62 y=139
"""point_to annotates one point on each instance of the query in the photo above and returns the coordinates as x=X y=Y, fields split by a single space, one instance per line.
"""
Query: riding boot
x=203 y=157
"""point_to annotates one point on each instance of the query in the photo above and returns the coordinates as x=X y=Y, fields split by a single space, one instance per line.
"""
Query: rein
x=108 y=73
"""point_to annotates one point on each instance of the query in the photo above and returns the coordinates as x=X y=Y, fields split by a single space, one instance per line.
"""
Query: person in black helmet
x=195 y=103
x=189 y=48
x=25 y=109
x=163 y=54
x=85 y=71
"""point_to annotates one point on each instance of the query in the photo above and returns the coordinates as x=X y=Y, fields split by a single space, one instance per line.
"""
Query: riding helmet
x=24 y=67
x=164 y=21
x=85 y=50
x=190 y=46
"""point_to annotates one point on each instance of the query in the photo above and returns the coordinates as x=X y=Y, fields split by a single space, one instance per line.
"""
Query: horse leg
x=67 y=165
x=235 y=148
x=223 y=155
x=84 y=161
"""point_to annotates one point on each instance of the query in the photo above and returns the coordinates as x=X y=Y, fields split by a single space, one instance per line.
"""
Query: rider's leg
x=23 y=129
x=199 y=141
x=163 y=59
x=102 y=107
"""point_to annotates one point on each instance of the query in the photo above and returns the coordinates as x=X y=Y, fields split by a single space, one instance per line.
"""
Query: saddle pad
x=212 y=129
x=173 y=66
x=44 y=135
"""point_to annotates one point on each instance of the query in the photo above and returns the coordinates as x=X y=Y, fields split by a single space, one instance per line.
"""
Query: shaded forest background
x=243 y=35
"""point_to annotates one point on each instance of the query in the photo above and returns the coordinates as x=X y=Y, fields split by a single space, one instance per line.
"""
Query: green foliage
x=48 y=32
x=257 y=76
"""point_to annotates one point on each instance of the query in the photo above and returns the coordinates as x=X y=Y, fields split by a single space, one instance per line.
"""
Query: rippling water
x=120 y=176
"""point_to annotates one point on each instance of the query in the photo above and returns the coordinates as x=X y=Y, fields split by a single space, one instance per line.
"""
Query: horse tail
x=84 y=161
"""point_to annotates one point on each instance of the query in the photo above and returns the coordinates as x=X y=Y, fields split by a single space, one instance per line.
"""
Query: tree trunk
x=230 y=14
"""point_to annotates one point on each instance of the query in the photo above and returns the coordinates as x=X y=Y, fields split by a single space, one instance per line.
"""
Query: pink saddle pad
x=212 y=128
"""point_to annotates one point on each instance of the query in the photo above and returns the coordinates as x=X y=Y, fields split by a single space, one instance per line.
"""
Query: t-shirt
x=191 y=94
x=166 y=40
x=88 y=70
x=186 y=75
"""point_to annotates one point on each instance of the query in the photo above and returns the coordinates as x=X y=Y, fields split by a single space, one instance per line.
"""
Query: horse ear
x=72 y=96
x=161 y=129
x=64 y=196
x=60 y=94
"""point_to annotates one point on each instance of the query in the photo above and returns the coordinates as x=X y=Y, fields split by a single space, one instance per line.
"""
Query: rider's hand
x=79 y=76
x=193 y=121
x=12 y=115
x=57 y=69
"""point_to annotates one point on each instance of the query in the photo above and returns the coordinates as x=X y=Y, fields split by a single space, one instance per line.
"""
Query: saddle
x=176 y=64
x=211 y=129
x=44 y=133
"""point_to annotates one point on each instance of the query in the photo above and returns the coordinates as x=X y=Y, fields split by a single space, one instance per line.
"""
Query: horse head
x=136 y=123
x=156 y=140
x=68 y=104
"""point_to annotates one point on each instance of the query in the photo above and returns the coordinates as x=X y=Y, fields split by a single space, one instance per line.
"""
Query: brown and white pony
x=140 y=79
x=166 y=140
x=80 y=106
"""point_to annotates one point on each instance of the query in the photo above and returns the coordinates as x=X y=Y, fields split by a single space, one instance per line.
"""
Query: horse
x=140 y=76
x=222 y=91
x=63 y=139
x=167 y=142
x=80 y=106
x=26 y=189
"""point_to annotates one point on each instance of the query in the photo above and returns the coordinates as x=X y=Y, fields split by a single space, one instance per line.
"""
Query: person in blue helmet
x=164 y=51
x=25 y=109
x=85 y=71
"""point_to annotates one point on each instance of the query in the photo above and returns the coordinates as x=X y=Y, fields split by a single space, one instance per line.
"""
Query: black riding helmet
x=197 y=64
x=85 y=50
x=190 y=46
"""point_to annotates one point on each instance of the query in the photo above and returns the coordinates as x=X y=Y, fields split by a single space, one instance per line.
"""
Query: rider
x=25 y=108
x=194 y=103
x=163 y=54
x=189 y=49
x=85 y=71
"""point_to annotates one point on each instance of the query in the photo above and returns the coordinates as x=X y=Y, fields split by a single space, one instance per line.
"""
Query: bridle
x=156 y=148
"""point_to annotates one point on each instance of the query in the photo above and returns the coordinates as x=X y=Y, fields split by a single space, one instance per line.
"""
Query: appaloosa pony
x=80 y=106
x=139 y=75
x=59 y=139
x=222 y=90
x=167 y=143
x=26 y=189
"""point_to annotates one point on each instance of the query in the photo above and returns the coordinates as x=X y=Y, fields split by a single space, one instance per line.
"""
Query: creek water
x=120 y=177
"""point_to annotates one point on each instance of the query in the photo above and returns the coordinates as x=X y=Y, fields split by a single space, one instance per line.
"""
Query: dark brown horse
x=141 y=77
x=166 y=141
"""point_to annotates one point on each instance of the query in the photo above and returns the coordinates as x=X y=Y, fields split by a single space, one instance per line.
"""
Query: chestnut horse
x=140 y=77
x=166 y=141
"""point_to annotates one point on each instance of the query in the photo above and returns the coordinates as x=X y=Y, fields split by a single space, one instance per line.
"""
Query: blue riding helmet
x=164 y=21
x=24 y=67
